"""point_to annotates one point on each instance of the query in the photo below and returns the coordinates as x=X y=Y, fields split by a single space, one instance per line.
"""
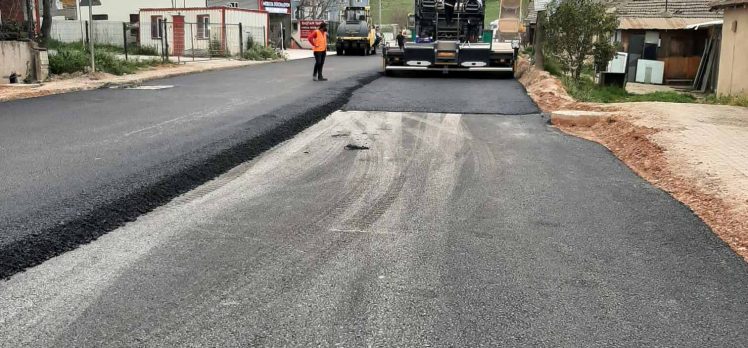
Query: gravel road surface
x=452 y=229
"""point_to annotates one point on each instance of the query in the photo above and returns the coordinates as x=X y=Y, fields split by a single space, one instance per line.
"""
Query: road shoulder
x=695 y=152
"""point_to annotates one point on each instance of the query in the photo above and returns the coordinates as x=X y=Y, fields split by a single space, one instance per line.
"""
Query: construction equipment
x=449 y=35
x=356 y=34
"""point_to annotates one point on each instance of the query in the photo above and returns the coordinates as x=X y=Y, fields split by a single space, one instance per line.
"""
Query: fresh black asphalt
x=487 y=228
x=449 y=231
x=464 y=93
x=77 y=165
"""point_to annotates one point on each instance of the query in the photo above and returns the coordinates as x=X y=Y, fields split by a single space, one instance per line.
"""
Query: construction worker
x=378 y=37
x=401 y=40
x=318 y=39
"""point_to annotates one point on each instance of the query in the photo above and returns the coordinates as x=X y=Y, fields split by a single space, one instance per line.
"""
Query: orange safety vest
x=318 y=39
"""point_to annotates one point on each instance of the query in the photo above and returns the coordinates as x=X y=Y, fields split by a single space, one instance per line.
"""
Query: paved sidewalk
x=707 y=143
x=99 y=80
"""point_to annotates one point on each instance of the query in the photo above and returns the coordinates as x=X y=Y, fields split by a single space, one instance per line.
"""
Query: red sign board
x=307 y=26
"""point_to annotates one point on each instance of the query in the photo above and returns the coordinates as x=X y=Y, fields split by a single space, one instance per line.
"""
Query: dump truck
x=356 y=33
x=449 y=35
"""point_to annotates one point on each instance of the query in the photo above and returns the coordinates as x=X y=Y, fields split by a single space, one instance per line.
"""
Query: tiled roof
x=628 y=23
x=666 y=9
x=727 y=3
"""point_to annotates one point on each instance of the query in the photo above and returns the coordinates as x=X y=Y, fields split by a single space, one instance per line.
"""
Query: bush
x=68 y=61
x=108 y=62
x=552 y=66
x=71 y=60
x=250 y=42
x=262 y=53
x=144 y=50
x=216 y=49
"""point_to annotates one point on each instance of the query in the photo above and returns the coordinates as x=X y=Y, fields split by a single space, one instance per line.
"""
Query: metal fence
x=169 y=40
x=104 y=32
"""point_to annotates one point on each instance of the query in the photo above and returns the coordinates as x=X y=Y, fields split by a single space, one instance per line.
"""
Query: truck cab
x=448 y=35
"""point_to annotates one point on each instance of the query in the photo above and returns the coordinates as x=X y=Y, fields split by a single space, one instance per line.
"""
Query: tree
x=578 y=29
x=46 y=20
x=316 y=9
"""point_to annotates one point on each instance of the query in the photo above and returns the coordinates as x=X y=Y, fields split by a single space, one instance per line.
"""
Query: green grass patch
x=727 y=100
x=143 y=50
x=587 y=91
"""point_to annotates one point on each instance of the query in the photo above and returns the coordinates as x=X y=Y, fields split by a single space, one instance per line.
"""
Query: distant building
x=655 y=34
x=206 y=31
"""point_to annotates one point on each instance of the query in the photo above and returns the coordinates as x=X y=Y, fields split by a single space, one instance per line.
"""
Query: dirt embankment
x=666 y=149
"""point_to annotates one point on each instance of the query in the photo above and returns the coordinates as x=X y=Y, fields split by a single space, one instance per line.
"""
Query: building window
x=100 y=17
x=203 y=27
x=157 y=27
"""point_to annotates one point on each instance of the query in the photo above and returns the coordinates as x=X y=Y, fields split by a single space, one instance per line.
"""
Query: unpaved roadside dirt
x=697 y=153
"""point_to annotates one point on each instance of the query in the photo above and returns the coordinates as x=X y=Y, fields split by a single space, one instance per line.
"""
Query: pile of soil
x=544 y=89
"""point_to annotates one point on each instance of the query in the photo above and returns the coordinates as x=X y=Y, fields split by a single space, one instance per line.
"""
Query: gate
x=178 y=35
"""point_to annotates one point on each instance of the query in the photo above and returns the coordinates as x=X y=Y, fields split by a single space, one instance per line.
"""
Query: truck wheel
x=339 y=51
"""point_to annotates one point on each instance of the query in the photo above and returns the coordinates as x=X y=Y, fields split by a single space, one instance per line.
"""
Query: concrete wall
x=16 y=56
x=733 y=64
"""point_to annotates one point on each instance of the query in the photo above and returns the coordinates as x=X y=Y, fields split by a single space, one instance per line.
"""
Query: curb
x=135 y=81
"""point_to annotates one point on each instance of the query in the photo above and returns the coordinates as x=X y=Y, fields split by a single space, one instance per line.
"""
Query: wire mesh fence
x=110 y=33
x=175 y=40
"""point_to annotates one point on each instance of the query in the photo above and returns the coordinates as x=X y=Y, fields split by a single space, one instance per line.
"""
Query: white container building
x=202 y=31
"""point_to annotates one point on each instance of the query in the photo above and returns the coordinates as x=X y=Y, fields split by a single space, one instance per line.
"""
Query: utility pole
x=380 y=13
x=91 y=35
x=80 y=20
